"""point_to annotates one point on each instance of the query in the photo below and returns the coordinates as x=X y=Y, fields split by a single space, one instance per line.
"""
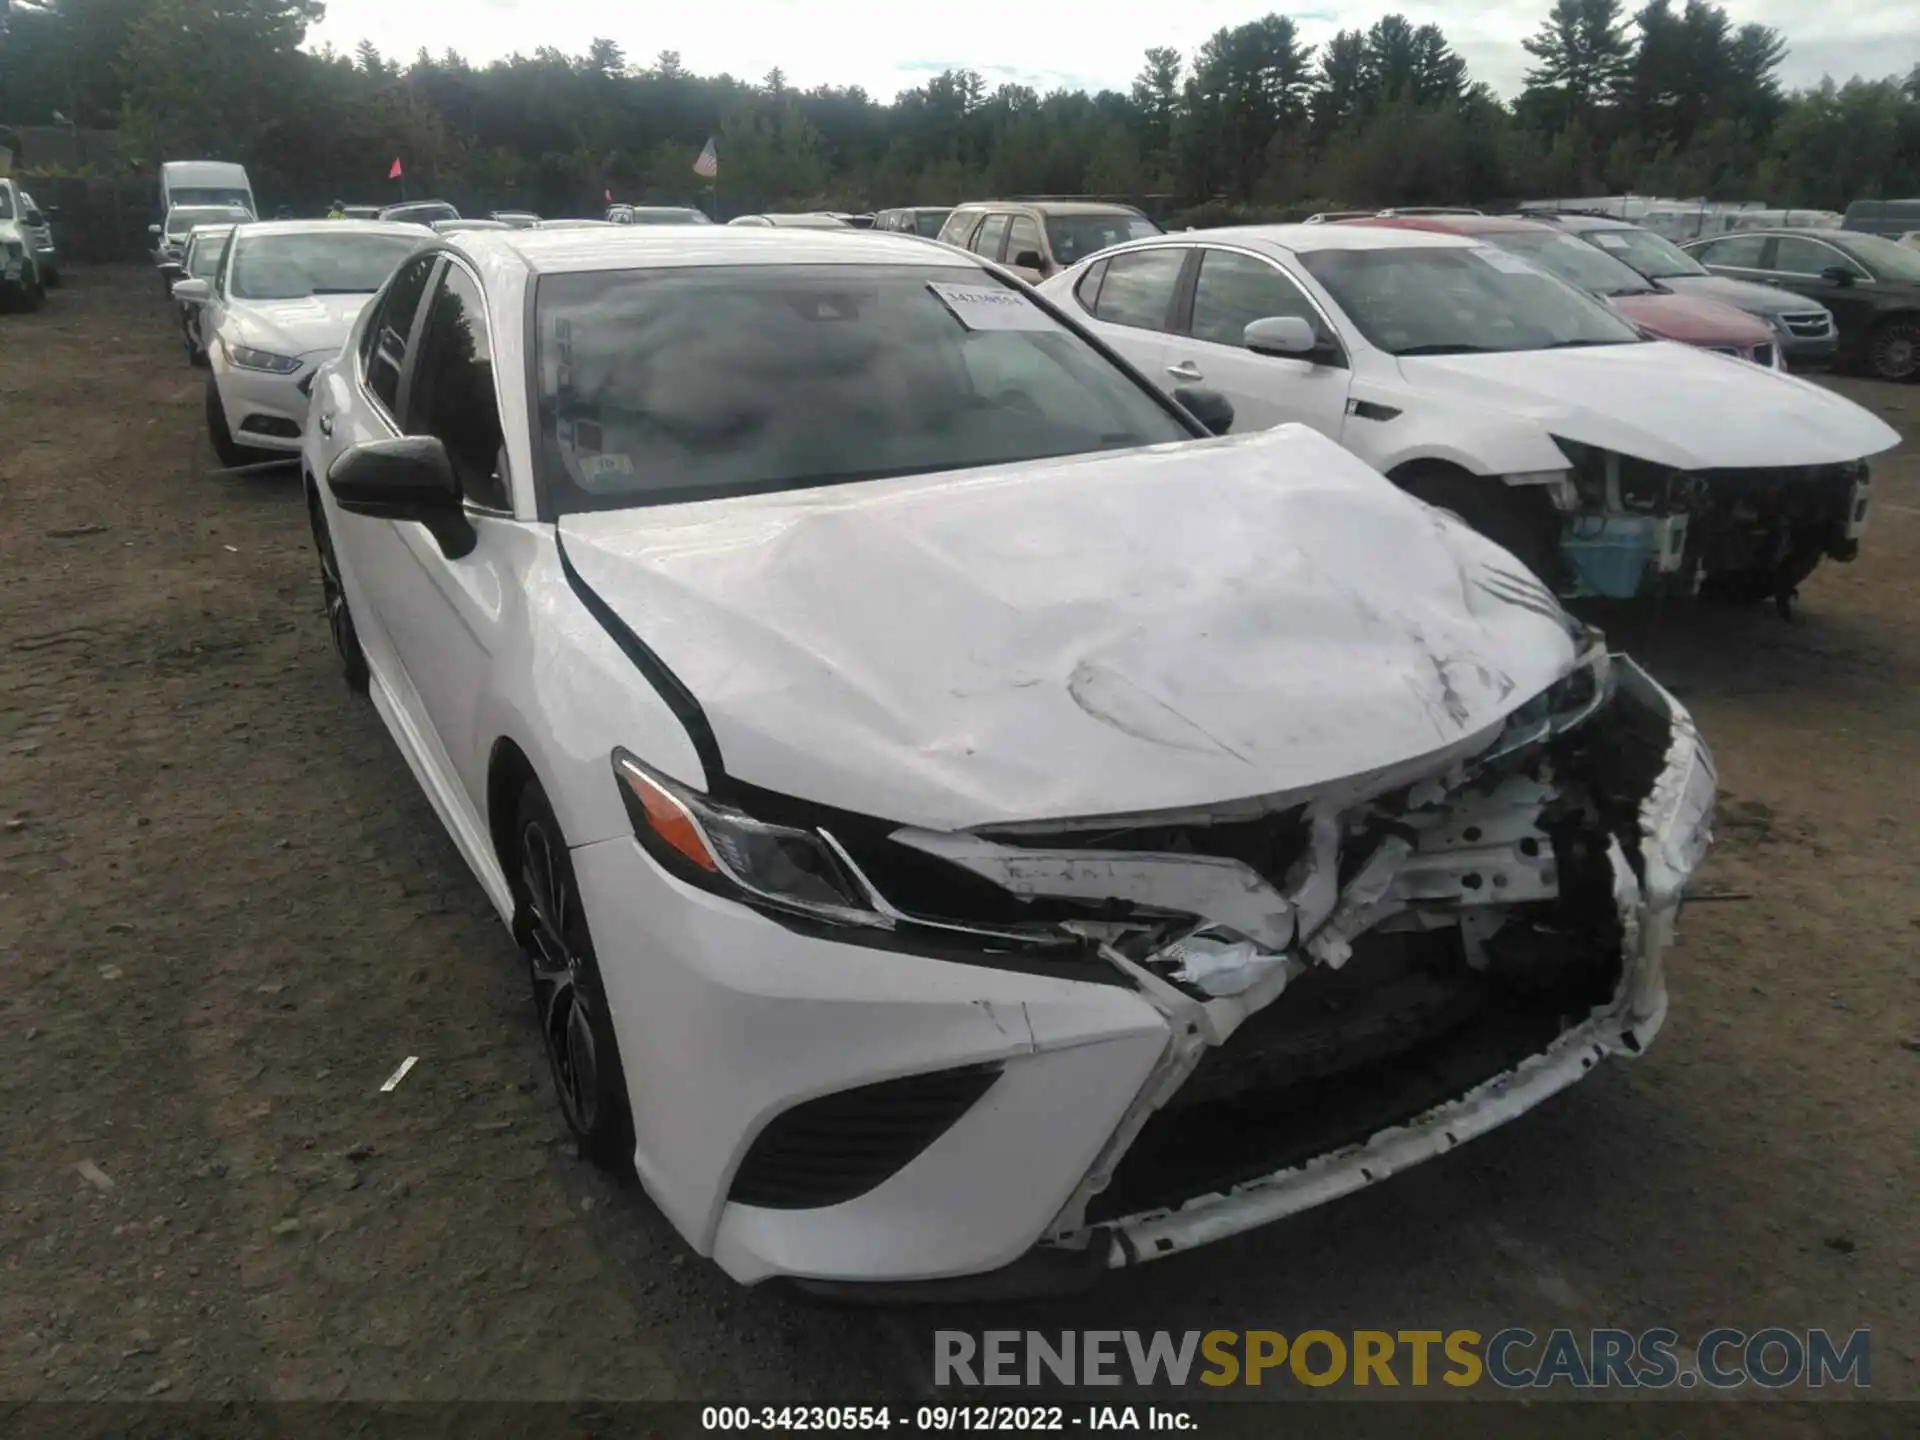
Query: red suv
x=1688 y=319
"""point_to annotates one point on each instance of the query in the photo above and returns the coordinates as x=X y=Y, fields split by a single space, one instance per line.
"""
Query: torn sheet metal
x=1227 y=892
x=1220 y=964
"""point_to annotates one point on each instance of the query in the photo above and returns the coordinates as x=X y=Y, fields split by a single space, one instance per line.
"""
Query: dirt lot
x=226 y=914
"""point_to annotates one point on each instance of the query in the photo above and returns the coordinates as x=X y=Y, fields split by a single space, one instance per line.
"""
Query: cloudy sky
x=888 y=45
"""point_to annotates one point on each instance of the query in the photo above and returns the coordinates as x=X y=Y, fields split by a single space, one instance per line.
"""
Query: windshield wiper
x=1449 y=349
x=1581 y=344
x=343 y=289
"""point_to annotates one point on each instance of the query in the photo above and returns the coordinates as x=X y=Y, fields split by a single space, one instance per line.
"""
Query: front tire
x=346 y=639
x=569 y=1000
x=229 y=453
x=1893 y=349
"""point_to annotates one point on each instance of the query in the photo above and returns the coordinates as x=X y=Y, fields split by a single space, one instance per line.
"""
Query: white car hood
x=1671 y=404
x=296 y=327
x=1100 y=635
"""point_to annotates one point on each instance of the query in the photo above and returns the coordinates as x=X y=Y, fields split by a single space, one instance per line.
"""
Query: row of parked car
x=1492 y=365
x=29 y=259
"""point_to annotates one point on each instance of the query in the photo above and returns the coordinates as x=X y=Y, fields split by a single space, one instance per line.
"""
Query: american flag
x=708 y=163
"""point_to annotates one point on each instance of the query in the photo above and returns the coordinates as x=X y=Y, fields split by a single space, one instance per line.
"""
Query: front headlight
x=731 y=853
x=247 y=358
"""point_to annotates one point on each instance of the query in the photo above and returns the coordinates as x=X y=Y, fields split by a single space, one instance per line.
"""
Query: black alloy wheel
x=569 y=1001
x=1893 y=349
x=346 y=640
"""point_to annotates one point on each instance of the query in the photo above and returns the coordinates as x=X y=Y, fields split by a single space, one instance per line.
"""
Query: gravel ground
x=227 y=914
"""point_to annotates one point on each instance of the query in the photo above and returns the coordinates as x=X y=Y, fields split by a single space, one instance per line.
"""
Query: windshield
x=659 y=386
x=292 y=267
x=1074 y=237
x=210 y=195
x=1458 y=301
x=203 y=253
x=1887 y=259
x=1654 y=256
x=1574 y=261
x=6 y=202
x=928 y=222
x=181 y=220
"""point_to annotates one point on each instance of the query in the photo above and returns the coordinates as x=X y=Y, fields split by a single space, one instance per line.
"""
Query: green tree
x=1585 y=60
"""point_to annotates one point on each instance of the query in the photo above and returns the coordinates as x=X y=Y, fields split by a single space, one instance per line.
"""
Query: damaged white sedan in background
x=969 y=829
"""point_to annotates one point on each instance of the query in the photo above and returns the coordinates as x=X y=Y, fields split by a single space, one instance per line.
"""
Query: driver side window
x=383 y=354
x=1797 y=255
x=1234 y=290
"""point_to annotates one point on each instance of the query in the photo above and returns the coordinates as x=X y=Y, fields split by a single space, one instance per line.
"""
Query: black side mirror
x=1209 y=407
x=1030 y=260
x=1837 y=275
x=34 y=217
x=410 y=478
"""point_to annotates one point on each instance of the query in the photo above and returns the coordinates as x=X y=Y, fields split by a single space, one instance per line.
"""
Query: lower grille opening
x=1404 y=1026
x=270 y=425
x=837 y=1148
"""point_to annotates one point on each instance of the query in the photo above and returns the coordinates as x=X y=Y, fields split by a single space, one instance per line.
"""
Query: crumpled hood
x=298 y=327
x=1754 y=299
x=1092 y=636
x=1693 y=319
x=1671 y=404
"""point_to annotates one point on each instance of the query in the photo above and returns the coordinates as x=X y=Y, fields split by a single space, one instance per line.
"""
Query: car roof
x=1303 y=238
x=1457 y=224
x=634 y=247
x=329 y=227
x=1047 y=207
x=1772 y=230
x=1570 y=221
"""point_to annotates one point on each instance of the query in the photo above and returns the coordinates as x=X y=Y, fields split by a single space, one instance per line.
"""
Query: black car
x=1871 y=284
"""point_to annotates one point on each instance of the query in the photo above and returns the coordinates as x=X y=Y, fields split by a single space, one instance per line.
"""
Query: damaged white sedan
x=967 y=827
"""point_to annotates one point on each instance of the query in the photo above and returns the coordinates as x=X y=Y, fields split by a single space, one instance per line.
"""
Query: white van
x=205 y=182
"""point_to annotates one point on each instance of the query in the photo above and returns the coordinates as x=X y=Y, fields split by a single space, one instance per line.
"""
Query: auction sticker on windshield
x=1501 y=260
x=1609 y=242
x=988 y=307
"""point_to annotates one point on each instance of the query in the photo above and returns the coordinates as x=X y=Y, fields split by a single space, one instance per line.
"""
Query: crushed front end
x=1637 y=528
x=1374 y=973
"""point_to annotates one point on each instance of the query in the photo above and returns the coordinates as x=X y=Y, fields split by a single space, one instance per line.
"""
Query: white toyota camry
x=280 y=302
x=966 y=825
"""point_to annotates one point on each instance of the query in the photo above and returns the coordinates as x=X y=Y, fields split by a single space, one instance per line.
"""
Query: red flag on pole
x=394 y=173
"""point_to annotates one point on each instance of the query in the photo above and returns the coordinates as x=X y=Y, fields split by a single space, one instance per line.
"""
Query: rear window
x=292 y=267
x=1074 y=237
x=182 y=219
x=657 y=386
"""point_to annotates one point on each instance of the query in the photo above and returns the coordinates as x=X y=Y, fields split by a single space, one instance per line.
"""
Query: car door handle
x=1185 y=370
x=326 y=424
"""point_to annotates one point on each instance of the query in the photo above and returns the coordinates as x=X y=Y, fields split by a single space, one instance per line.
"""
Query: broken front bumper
x=1675 y=816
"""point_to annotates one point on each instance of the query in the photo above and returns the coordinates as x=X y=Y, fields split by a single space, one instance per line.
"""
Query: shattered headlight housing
x=1571 y=700
x=729 y=852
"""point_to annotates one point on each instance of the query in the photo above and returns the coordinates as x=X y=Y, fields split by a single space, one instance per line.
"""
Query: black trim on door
x=670 y=687
x=1180 y=313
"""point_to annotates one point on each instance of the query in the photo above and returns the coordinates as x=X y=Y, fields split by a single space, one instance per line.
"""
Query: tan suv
x=1038 y=238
